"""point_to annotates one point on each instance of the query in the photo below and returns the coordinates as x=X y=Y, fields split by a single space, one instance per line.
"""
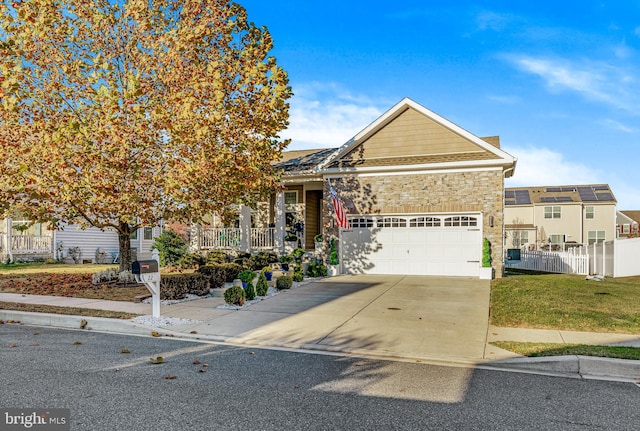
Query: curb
x=587 y=367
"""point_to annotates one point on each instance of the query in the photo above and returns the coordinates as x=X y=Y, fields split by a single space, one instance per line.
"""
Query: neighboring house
x=23 y=240
x=553 y=217
x=421 y=195
x=627 y=223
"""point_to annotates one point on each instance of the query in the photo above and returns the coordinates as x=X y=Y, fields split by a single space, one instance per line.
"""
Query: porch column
x=195 y=238
x=279 y=219
x=245 y=228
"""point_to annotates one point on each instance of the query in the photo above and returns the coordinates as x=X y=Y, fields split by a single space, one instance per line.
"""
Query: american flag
x=341 y=215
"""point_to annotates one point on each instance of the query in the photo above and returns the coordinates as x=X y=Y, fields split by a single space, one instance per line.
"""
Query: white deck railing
x=220 y=238
x=262 y=238
x=551 y=261
x=25 y=244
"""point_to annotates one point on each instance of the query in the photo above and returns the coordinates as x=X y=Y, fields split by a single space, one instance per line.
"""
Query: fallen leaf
x=36 y=333
x=202 y=370
x=156 y=334
x=125 y=351
x=393 y=308
x=252 y=353
x=76 y=343
x=1 y=322
x=83 y=324
x=169 y=377
x=157 y=360
x=193 y=332
x=205 y=365
x=35 y=344
x=12 y=345
x=196 y=362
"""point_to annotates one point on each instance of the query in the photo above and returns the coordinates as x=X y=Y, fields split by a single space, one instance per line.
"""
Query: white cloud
x=325 y=115
x=599 y=81
x=504 y=99
x=616 y=125
x=545 y=167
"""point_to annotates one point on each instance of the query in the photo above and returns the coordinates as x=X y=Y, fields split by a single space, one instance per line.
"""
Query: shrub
x=284 y=282
x=191 y=260
x=262 y=286
x=105 y=276
x=126 y=277
x=219 y=273
x=217 y=256
x=262 y=259
x=247 y=275
x=486 y=253
x=250 y=290
x=297 y=254
x=317 y=269
x=333 y=254
x=298 y=276
x=178 y=286
x=170 y=246
x=234 y=295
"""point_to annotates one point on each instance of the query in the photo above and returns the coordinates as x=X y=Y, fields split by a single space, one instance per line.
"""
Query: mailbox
x=146 y=271
x=144 y=267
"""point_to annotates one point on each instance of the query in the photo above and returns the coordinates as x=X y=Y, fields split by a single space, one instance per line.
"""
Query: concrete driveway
x=407 y=316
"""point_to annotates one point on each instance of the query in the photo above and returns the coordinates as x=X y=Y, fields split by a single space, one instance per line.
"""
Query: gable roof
x=587 y=193
x=300 y=161
x=409 y=136
x=632 y=214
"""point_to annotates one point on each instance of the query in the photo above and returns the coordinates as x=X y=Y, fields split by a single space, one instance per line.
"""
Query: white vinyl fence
x=618 y=258
x=571 y=262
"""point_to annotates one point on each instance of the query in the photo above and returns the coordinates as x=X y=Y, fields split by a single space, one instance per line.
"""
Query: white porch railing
x=220 y=238
x=550 y=261
x=262 y=238
x=26 y=244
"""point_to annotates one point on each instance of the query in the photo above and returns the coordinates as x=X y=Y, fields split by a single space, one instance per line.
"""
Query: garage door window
x=361 y=222
x=461 y=221
x=424 y=222
x=393 y=222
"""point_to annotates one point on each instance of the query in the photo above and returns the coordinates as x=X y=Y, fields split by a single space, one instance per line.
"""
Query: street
x=108 y=382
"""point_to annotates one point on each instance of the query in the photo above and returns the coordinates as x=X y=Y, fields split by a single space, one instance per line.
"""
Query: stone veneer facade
x=442 y=192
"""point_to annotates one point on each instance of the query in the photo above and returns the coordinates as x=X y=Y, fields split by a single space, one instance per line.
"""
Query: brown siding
x=412 y=134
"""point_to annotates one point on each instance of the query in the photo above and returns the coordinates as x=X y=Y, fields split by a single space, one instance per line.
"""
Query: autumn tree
x=119 y=114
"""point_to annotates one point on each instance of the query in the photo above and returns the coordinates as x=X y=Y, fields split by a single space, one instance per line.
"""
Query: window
x=424 y=222
x=589 y=212
x=552 y=212
x=461 y=221
x=626 y=228
x=556 y=239
x=361 y=222
x=520 y=238
x=595 y=236
x=393 y=222
x=134 y=234
x=148 y=233
x=290 y=198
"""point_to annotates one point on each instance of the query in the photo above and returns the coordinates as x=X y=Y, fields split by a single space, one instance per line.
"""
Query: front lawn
x=551 y=349
x=63 y=280
x=568 y=302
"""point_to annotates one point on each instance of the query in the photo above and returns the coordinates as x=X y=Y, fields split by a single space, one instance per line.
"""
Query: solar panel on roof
x=587 y=194
x=522 y=197
x=564 y=199
x=547 y=199
x=510 y=194
x=509 y=202
x=568 y=189
x=553 y=189
x=600 y=187
x=604 y=196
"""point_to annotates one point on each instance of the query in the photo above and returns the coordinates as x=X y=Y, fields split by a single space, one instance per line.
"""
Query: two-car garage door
x=447 y=245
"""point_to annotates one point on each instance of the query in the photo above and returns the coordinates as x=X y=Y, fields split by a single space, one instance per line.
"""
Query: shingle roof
x=633 y=215
x=303 y=160
x=592 y=193
x=414 y=160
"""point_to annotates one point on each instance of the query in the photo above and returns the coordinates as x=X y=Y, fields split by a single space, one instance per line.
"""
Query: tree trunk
x=124 y=243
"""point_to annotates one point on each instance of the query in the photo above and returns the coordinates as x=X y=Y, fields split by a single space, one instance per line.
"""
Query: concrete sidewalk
x=415 y=318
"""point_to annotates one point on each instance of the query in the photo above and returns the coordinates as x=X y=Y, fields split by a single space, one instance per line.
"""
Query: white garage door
x=447 y=245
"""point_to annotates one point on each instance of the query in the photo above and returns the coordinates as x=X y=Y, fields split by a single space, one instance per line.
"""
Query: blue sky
x=557 y=81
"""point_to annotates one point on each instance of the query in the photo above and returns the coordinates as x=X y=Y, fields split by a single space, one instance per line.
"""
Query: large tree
x=118 y=114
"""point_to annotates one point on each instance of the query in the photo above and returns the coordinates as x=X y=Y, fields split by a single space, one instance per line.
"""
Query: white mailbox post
x=148 y=272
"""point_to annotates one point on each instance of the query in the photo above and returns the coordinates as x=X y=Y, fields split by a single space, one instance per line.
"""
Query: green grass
x=567 y=302
x=552 y=349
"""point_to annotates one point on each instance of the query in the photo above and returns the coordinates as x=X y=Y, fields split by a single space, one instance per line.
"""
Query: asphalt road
x=261 y=389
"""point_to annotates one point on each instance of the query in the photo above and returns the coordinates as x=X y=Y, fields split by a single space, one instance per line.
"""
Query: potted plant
x=290 y=242
x=246 y=276
x=318 y=241
x=285 y=260
x=486 y=272
x=268 y=273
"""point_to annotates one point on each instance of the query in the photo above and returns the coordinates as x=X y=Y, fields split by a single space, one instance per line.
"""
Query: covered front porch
x=291 y=219
x=22 y=240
